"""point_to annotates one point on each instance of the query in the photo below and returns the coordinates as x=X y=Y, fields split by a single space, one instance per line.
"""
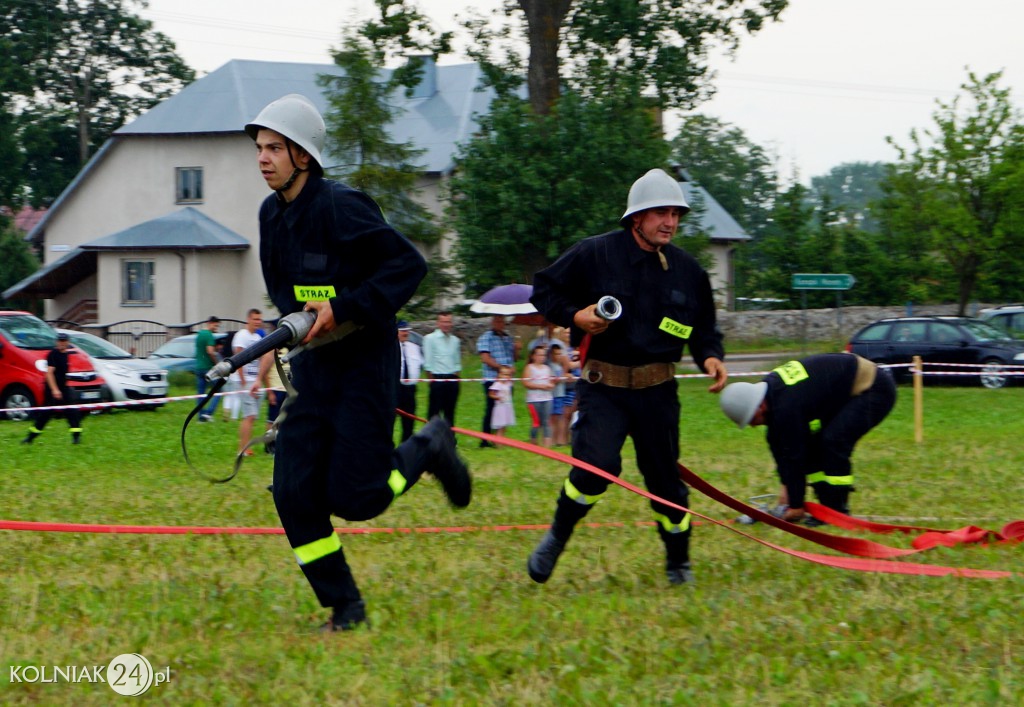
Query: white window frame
x=188 y=185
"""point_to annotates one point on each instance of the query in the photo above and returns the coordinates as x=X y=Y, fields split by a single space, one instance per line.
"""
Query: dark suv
x=941 y=340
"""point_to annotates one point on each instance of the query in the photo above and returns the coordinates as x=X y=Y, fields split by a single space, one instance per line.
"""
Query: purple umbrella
x=505 y=299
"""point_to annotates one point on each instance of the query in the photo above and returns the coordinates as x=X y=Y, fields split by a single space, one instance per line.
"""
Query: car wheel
x=993 y=375
x=15 y=400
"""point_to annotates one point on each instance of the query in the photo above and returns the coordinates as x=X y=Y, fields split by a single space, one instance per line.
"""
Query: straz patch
x=314 y=293
x=792 y=373
x=671 y=326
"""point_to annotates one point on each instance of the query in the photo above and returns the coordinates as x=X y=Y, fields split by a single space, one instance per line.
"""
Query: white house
x=161 y=224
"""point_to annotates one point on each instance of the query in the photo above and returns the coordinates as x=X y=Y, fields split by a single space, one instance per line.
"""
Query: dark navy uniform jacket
x=662 y=310
x=332 y=242
x=800 y=404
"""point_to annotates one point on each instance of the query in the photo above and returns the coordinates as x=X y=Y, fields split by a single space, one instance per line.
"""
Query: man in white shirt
x=412 y=361
x=442 y=359
x=247 y=378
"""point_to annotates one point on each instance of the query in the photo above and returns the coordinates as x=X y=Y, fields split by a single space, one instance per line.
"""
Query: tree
x=555 y=167
x=852 y=188
x=360 y=98
x=528 y=185
x=16 y=260
x=738 y=173
x=85 y=68
x=948 y=192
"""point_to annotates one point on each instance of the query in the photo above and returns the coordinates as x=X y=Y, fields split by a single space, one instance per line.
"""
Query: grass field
x=455 y=618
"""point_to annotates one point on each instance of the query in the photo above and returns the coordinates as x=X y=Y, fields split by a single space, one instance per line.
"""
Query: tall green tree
x=737 y=172
x=16 y=260
x=362 y=104
x=948 y=191
x=529 y=185
x=90 y=66
x=608 y=66
x=853 y=188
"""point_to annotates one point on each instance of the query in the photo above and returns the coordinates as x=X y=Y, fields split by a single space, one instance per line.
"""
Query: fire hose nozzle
x=608 y=308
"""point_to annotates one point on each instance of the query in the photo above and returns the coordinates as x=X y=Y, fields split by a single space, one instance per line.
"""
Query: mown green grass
x=455 y=618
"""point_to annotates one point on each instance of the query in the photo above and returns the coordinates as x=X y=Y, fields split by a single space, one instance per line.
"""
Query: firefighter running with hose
x=326 y=248
x=627 y=386
x=816 y=409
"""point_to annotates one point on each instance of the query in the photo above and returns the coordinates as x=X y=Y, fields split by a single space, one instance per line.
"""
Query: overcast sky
x=824 y=86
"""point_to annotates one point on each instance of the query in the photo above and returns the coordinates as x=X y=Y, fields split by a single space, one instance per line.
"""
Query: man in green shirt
x=206 y=357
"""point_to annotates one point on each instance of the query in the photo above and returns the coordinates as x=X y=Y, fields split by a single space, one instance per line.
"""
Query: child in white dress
x=503 y=414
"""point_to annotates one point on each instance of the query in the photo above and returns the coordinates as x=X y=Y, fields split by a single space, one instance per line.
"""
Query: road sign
x=822 y=281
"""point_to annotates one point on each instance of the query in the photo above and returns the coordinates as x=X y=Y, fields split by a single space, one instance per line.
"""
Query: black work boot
x=30 y=437
x=76 y=438
x=445 y=464
x=679 y=574
x=544 y=557
x=677 y=556
x=347 y=618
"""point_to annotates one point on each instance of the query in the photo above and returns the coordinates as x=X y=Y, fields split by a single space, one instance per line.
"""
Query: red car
x=25 y=340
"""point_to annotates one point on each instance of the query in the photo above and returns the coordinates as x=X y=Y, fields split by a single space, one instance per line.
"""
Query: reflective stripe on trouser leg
x=578 y=496
x=310 y=552
x=670 y=527
x=74 y=429
x=571 y=508
x=397 y=482
x=823 y=477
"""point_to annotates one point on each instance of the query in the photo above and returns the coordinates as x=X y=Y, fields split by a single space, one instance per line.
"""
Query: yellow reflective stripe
x=815 y=426
x=34 y=430
x=670 y=527
x=397 y=482
x=74 y=429
x=581 y=498
x=313 y=551
x=314 y=293
x=792 y=372
x=820 y=476
x=671 y=326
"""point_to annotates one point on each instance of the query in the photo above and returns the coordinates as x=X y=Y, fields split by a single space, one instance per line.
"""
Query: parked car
x=25 y=340
x=1009 y=317
x=126 y=377
x=179 y=354
x=941 y=340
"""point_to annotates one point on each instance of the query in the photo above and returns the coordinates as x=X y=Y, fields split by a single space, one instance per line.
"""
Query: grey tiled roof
x=228 y=98
x=186 y=228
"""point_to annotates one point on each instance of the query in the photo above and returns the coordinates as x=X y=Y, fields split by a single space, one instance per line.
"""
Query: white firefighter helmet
x=654 y=189
x=295 y=117
x=740 y=401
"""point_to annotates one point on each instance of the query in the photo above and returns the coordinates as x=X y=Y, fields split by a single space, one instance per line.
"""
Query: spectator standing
x=539 y=382
x=248 y=379
x=206 y=358
x=504 y=412
x=412 y=362
x=496 y=348
x=442 y=360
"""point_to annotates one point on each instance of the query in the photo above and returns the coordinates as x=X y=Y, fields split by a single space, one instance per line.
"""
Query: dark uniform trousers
x=407 y=402
x=833 y=446
x=71 y=413
x=443 y=397
x=332 y=458
x=651 y=417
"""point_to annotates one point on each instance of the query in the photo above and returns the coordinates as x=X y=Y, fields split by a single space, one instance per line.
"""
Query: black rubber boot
x=347 y=618
x=545 y=556
x=445 y=464
x=677 y=556
x=76 y=438
x=30 y=438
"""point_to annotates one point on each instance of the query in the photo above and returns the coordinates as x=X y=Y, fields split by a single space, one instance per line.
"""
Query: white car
x=127 y=377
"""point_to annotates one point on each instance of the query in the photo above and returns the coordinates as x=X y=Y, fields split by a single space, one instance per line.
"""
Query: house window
x=189 y=182
x=137 y=282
